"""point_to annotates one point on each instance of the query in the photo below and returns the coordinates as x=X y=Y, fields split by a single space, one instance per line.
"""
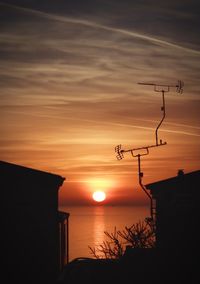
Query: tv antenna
x=163 y=88
x=139 y=152
x=143 y=151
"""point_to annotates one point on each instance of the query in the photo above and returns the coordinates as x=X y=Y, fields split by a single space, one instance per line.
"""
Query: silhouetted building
x=177 y=218
x=32 y=228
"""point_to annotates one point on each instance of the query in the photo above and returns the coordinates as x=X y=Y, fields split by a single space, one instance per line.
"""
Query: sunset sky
x=69 y=91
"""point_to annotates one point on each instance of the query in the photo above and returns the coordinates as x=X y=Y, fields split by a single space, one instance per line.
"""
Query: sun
x=99 y=196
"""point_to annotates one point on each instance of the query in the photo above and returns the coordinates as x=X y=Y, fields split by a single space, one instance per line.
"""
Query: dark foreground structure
x=32 y=228
x=177 y=210
x=175 y=258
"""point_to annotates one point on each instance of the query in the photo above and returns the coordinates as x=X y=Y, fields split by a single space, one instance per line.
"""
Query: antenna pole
x=163 y=117
x=140 y=175
x=163 y=88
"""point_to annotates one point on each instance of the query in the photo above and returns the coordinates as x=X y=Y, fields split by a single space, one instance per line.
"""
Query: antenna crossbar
x=159 y=87
x=134 y=151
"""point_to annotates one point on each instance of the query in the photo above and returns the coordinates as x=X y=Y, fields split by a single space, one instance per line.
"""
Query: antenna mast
x=163 y=88
x=139 y=152
x=143 y=151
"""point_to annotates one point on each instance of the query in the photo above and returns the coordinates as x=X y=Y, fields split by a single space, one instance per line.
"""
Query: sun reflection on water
x=99 y=225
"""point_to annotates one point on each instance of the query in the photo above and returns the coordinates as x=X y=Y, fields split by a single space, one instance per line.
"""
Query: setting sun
x=99 y=196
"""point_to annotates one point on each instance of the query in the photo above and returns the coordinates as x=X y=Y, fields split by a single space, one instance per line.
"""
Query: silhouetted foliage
x=139 y=235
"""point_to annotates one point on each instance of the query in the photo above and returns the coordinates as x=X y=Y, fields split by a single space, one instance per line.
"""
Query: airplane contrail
x=170 y=123
x=182 y=132
x=99 y=26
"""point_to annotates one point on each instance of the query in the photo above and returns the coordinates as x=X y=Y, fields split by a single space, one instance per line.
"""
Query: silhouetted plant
x=111 y=248
x=139 y=235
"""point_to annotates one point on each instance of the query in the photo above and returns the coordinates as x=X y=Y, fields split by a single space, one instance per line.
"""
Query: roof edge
x=20 y=167
x=151 y=185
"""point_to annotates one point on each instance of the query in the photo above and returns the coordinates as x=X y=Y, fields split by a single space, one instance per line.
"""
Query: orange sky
x=69 y=95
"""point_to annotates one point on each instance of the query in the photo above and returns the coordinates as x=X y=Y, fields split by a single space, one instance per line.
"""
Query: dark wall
x=177 y=215
x=30 y=226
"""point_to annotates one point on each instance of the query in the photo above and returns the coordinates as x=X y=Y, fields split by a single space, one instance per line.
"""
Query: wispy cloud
x=103 y=27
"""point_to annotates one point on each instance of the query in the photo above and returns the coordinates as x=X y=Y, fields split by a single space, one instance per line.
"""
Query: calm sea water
x=87 y=225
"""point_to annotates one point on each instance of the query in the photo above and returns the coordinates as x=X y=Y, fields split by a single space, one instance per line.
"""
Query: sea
x=87 y=225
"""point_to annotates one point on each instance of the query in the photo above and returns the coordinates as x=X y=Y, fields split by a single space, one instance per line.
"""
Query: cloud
x=94 y=25
x=80 y=55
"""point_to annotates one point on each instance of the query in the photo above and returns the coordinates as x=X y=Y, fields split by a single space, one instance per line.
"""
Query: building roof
x=62 y=216
x=8 y=170
x=189 y=178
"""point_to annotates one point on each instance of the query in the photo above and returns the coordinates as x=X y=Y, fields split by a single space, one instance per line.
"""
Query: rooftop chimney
x=180 y=173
